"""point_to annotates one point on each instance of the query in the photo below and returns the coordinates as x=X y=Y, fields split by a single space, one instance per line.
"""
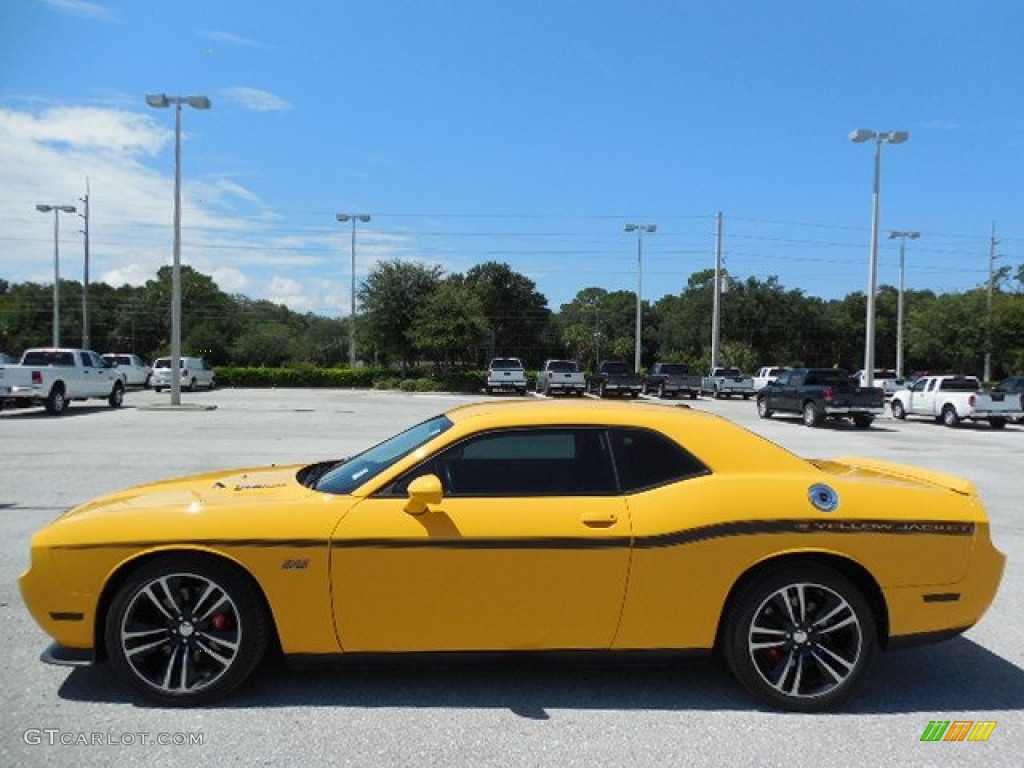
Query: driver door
x=528 y=549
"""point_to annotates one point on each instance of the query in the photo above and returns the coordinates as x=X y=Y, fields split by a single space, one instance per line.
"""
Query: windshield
x=506 y=364
x=675 y=369
x=351 y=473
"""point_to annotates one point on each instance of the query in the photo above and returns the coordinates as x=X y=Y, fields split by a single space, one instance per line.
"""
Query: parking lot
x=498 y=715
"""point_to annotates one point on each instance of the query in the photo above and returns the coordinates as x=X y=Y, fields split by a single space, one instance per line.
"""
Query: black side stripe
x=672 y=539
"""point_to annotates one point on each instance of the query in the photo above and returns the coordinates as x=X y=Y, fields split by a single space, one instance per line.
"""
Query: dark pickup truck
x=671 y=380
x=821 y=393
x=614 y=378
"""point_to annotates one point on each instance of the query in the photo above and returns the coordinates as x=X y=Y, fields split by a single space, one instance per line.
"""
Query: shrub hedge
x=413 y=380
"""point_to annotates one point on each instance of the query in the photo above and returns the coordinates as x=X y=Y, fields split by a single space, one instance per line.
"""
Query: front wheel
x=898 y=411
x=184 y=631
x=800 y=638
x=116 y=396
x=56 y=402
x=762 y=408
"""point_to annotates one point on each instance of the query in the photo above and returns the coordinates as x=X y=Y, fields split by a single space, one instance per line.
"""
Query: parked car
x=766 y=375
x=542 y=525
x=54 y=376
x=132 y=368
x=726 y=382
x=672 y=380
x=821 y=393
x=885 y=378
x=195 y=373
x=956 y=398
x=1012 y=385
x=506 y=374
x=613 y=378
x=562 y=376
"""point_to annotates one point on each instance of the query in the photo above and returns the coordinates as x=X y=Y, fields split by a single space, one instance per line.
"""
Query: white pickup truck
x=53 y=377
x=726 y=382
x=767 y=375
x=952 y=399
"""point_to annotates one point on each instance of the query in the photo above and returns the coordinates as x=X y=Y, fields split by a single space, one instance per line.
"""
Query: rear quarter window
x=645 y=459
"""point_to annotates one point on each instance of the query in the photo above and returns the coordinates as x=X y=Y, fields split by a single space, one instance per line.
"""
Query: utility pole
x=86 y=342
x=716 y=314
x=992 y=243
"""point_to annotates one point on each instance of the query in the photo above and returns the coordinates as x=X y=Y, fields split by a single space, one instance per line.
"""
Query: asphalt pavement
x=507 y=714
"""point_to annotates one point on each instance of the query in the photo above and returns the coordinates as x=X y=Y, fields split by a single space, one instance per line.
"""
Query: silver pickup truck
x=506 y=374
x=562 y=376
x=726 y=382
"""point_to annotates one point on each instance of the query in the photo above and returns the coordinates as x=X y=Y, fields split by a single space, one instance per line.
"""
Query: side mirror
x=423 y=491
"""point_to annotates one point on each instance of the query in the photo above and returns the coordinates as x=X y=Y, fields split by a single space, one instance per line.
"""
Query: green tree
x=450 y=325
x=517 y=314
x=390 y=297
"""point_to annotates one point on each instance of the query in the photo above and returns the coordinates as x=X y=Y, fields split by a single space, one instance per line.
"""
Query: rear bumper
x=854 y=410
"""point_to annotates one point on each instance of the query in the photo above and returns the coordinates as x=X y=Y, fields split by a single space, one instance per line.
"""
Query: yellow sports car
x=522 y=526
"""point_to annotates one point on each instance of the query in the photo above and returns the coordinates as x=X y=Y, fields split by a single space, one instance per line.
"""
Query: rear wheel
x=799 y=638
x=811 y=416
x=950 y=417
x=661 y=389
x=997 y=422
x=863 y=420
x=185 y=631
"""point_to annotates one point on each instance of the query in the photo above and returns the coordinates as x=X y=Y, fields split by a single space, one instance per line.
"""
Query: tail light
x=829 y=393
x=37 y=377
x=972 y=400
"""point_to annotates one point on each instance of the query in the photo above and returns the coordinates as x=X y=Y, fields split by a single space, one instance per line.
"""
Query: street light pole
x=639 y=229
x=899 y=300
x=879 y=137
x=159 y=101
x=353 y=217
x=57 y=210
x=86 y=339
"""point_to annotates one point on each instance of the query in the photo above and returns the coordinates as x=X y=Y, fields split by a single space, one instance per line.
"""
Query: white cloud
x=46 y=156
x=84 y=9
x=232 y=39
x=257 y=100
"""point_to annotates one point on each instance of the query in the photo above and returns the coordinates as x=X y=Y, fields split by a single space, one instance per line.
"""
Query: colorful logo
x=958 y=730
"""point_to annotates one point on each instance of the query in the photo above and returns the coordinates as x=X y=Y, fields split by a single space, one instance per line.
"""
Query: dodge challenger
x=522 y=527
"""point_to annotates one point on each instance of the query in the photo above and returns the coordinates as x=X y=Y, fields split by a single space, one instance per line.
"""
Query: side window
x=86 y=359
x=646 y=459
x=524 y=462
x=931 y=384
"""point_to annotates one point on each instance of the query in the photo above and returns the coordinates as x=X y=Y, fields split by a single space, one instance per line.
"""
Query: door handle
x=599 y=518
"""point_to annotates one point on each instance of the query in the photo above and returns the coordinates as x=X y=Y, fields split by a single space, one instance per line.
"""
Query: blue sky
x=527 y=132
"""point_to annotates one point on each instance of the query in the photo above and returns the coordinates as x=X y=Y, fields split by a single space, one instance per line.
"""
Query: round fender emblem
x=823 y=498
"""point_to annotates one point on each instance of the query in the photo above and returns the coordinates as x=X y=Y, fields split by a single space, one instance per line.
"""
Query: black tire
x=635 y=394
x=950 y=417
x=997 y=422
x=184 y=630
x=898 y=412
x=799 y=638
x=158 y=389
x=191 y=385
x=717 y=394
x=116 y=398
x=811 y=416
x=661 y=389
x=863 y=420
x=600 y=390
x=762 y=408
x=56 y=402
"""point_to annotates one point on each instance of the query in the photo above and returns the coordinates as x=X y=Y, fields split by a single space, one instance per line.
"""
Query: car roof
x=717 y=441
